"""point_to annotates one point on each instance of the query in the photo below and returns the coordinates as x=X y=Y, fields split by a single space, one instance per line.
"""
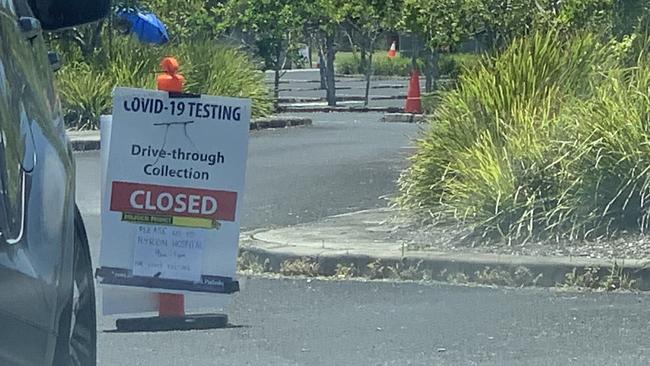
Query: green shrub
x=348 y=64
x=549 y=139
x=613 y=130
x=85 y=94
x=452 y=65
x=221 y=70
x=397 y=66
x=208 y=67
x=430 y=102
x=449 y=65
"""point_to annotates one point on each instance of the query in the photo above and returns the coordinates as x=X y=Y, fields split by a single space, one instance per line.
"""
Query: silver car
x=47 y=299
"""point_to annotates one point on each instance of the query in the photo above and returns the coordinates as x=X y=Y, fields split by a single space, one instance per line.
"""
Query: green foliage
x=504 y=21
x=208 y=67
x=454 y=64
x=367 y=19
x=630 y=16
x=320 y=17
x=587 y=278
x=383 y=65
x=347 y=64
x=431 y=101
x=590 y=278
x=271 y=26
x=583 y=15
x=450 y=65
x=369 y=15
x=85 y=94
x=185 y=19
x=216 y=69
x=548 y=140
x=300 y=267
x=440 y=23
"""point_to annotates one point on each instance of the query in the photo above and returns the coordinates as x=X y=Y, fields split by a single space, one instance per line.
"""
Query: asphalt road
x=344 y=163
x=300 y=322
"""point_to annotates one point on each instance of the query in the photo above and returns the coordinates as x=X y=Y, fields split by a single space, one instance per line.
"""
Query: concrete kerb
x=383 y=86
x=90 y=140
x=472 y=268
x=344 y=98
x=84 y=140
x=328 y=109
x=404 y=118
x=279 y=122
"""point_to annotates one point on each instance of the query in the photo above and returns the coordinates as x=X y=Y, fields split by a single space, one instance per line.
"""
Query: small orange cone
x=413 y=100
x=170 y=80
x=392 y=51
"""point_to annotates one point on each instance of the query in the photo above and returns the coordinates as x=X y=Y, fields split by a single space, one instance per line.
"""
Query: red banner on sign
x=173 y=201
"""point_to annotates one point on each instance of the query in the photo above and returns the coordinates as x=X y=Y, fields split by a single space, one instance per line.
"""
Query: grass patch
x=344 y=271
x=590 y=278
x=300 y=267
x=251 y=263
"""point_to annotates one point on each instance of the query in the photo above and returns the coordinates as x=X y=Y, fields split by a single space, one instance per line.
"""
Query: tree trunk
x=353 y=47
x=276 y=87
x=368 y=72
x=331 y=87
x=414 y=61
x=322 y=69
x=311 y=64
x=362 y=61
x=431 y=71
x=276 y=79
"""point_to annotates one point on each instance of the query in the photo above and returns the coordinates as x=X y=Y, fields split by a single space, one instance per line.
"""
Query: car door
x=36 y=195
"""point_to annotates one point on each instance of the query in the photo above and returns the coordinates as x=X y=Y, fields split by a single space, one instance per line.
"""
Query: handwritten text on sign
x=168 y=252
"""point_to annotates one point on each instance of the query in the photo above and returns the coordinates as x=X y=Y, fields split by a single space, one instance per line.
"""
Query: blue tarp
x=146 y=26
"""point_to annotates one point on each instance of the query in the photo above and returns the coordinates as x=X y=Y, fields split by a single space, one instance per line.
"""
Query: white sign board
x=172 y=191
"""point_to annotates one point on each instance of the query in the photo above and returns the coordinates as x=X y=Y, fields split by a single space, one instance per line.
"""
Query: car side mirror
x=60 y=14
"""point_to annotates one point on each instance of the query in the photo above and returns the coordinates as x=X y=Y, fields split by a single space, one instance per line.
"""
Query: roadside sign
x=172 y=192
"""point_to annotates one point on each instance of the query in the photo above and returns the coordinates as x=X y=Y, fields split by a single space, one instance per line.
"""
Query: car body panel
x=36 y=198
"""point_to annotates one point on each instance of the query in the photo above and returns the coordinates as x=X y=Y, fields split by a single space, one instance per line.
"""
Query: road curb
x=290 y=109
x=87 y=144
x=279 y=122
x=384 y=86
x=90 y=140
x=404 y=118
x=362 y=77
x=516 y=271
x=344 y=98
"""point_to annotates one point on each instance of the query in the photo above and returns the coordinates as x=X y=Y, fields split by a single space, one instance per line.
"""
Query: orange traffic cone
x=170 y=80
x=392 y=51
x=413 y=100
